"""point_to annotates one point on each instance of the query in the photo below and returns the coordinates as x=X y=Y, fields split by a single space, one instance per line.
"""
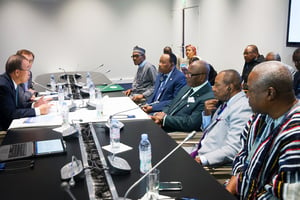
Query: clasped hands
x=158 y=117
x=135 y=98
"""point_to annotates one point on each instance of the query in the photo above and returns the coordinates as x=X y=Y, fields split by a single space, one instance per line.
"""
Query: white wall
x=81 y=35
x=226 y=27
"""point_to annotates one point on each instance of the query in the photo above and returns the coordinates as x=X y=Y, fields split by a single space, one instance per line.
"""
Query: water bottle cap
x=114 y=120
x=144 y=136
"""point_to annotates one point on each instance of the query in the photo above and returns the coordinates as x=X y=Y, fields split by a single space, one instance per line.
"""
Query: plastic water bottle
x=61 y=95
x=88 y=79
x=99 y=104
x=92 y=91
x=114 y=134
x=145 y=154
x=65 y=114
x=52 y=83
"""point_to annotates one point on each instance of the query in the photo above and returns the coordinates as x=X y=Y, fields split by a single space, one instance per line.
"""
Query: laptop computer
x=30 y=149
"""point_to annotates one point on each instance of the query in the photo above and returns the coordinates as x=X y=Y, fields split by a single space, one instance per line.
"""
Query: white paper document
x=118 y=107
x=42 y=120
x=123 y=148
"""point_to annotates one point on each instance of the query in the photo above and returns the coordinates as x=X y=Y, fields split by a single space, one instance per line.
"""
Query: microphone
x=66 y=187
x=189 y=136
x=106 y=72
x=96 y=68
x=65 y=75
x=130 y=116
x=148 y=104
x=85 y=90
x=44 y=87
x=62 y=69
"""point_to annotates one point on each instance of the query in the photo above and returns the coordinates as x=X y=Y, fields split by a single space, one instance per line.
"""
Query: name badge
x=191 y=100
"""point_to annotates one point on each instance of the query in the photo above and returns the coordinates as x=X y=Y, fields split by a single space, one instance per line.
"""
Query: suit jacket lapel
x=177 y=99
x=196 y=95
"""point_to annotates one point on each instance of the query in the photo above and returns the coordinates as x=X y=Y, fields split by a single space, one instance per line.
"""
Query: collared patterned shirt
x=273 y=171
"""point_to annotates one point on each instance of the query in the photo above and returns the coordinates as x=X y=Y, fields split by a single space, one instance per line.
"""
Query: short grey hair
x=277 y=76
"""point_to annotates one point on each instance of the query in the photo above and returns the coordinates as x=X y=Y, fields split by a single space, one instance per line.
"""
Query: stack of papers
x=118 y=107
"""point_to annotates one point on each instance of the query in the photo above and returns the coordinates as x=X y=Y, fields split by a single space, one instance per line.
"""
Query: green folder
x=110 y=88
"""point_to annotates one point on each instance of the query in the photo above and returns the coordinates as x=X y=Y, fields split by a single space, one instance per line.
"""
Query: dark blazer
x=188 y=115
x=175 y=82
x=8 y=108
x=249 y=66
x=25 y=95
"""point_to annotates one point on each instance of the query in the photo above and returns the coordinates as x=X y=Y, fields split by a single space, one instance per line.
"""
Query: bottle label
x=115 y=138
x=145 y=161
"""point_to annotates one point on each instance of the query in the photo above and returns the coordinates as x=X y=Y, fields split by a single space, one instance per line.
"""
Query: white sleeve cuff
x=37 y=111
x=204 y=161
x=206 y=119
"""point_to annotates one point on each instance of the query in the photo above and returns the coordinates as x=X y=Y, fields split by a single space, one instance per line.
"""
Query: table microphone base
x=118 y=165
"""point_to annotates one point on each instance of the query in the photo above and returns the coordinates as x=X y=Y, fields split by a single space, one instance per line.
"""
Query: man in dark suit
x=12 y=107
x=296 y=84
x=168 y=83
x=26 y=89
x=184 y=113
x=252 y=58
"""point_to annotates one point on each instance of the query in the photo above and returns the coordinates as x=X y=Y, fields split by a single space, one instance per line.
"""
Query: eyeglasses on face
x=24 y=70
x=189 y=74
x=136 y=56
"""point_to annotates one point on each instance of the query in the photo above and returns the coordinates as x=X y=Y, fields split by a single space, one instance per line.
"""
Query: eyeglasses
x=24 y=70
x=248 y=52
x=189 y=74
x=30 y=61
x=136 y=56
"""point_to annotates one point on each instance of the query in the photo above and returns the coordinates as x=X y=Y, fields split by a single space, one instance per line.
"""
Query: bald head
x=197 y=73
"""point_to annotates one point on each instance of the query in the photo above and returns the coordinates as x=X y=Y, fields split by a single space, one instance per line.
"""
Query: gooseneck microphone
x=42 y=86
x=192 y=134
x=130 y=116
x=62 y=69
x=66 y=187
x=101 y=74
x=96 y=68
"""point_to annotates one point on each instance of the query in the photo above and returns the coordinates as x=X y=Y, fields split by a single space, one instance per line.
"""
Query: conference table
x=43 y=181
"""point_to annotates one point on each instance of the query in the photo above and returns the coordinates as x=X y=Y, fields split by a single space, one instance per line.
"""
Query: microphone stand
x=192 y=134
x=42 y=86
x=139 y=106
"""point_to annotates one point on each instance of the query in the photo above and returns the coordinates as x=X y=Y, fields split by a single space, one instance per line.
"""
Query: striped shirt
x=273 y=170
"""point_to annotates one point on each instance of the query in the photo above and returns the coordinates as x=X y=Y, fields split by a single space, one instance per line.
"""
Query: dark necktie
x=17 y=95
x=209 y=127
x=162 y=80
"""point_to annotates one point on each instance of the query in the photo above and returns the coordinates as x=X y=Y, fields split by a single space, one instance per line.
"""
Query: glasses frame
x=189 y=74
x=136 y=55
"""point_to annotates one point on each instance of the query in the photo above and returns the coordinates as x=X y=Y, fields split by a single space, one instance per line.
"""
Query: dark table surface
x=43 y=180
x=180 y=166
